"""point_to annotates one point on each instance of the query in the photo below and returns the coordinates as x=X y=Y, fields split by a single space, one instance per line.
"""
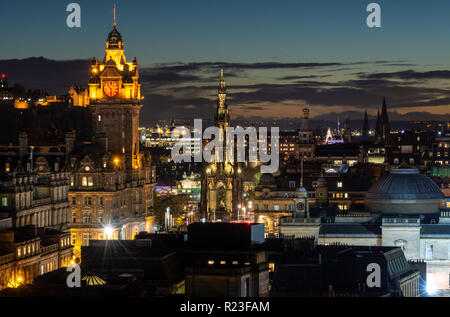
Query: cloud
x=411 y=75
x=264 y=89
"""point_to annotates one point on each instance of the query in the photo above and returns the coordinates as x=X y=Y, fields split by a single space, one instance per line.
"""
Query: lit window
x=86 y=217
x=223 y=262
x=235 y=262
x=4 y=201
x=99 y=118
x=339 y=184
x=84 y=181
x=85 y=240
x=210 y=262
x=271 y=267
x=90 y=181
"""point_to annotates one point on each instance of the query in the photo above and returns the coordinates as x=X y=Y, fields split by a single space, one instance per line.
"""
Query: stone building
x=275 y=196
x=306 y=144
x=112 y=181
x=222 y=185
x=403 y=209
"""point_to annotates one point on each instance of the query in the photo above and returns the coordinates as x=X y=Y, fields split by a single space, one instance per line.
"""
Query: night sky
x=277 y=55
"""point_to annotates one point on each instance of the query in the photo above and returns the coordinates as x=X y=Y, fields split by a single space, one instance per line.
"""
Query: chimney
x=23 y=144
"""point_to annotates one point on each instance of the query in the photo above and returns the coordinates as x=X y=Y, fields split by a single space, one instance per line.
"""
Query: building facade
x=112 y=181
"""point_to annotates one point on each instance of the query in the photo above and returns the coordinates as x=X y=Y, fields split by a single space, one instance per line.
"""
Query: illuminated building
x=403 y=209
x=79 y=96
x=33 y=230
x=190 y=185
x=165 y=136
x=28 y=252
x=222 y=187
x=278 y=197
x=4 y=91
x=112 y=181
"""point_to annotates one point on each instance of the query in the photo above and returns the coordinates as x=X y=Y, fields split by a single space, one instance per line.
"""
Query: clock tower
x=301 y=203
x=115 y=101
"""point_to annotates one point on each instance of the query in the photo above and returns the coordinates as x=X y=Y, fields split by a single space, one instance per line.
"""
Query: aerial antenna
x=114 y=10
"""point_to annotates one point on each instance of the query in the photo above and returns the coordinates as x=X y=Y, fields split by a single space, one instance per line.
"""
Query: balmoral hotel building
x=112 y=181
x=93 y=183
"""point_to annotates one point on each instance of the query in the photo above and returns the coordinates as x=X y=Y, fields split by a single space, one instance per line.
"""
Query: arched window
x=84 y=181
x=90 y=181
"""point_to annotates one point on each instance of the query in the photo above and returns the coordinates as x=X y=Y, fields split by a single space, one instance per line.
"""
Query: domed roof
x=114 y=37
x=405 y=190
x=267 y=179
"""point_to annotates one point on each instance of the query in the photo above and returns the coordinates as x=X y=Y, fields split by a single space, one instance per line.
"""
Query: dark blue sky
x=278 y=56
x=233 y=30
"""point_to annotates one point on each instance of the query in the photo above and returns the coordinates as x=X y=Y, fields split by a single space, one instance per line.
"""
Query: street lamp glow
x=108 y=231
x=431 y=288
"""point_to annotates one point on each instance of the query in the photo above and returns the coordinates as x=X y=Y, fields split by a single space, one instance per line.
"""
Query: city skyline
x=273 y=65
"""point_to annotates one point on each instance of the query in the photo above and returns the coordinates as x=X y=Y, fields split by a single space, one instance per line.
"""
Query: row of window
x=27 y=250
x=275 y=207
x=86 y=238
x=88 y=201
x=223 y=262
x=87 y=216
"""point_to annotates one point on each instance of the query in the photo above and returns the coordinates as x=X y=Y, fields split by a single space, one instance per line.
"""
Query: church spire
x=365 y=129
x=385 y=126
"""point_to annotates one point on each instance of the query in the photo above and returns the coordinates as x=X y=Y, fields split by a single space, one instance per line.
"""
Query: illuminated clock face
x=110 y=88
x=300 y=206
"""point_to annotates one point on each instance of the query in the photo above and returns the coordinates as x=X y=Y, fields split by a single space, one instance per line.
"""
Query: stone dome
x=404 y=191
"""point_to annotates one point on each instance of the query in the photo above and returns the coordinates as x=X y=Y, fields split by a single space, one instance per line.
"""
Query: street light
x=108 y=232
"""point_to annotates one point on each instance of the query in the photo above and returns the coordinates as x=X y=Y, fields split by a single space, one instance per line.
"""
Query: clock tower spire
x=116 y=100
